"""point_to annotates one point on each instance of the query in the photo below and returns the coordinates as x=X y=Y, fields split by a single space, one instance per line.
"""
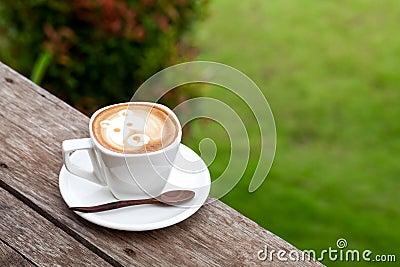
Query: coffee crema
x=134 y=128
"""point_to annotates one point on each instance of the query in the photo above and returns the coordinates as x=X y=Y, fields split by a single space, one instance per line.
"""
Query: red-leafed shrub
x=95 y=52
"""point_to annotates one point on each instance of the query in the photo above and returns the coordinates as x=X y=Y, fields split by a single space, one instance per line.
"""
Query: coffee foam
x=134 y=128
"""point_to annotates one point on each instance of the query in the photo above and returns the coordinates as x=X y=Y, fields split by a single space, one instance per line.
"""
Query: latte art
x=134 y=128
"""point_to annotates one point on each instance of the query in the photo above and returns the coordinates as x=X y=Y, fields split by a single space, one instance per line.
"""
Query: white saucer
x=80 y=192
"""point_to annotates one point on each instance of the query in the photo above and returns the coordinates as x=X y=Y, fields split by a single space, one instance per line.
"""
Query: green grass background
x=330 y=71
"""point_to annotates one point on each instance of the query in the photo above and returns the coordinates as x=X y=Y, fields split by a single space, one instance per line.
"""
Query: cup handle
x=69 y=146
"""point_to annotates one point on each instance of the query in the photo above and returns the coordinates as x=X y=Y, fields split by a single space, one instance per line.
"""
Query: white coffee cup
x=126 y=175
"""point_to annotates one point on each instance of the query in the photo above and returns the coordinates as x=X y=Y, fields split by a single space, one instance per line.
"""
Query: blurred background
x=329 y=70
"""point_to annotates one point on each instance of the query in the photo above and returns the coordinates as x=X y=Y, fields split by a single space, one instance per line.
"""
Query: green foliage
x=101 y=50
x=330 y=71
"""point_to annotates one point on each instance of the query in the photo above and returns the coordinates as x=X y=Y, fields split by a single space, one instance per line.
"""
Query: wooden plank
x=34 y=123
x=10 y=257
x=37 y=240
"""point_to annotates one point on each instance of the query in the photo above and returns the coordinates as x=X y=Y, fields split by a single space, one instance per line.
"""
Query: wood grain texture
x=37 y=240
x=34 y=123
x=12 y=258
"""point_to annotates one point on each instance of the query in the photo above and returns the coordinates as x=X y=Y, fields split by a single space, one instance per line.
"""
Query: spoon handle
x=115 y=205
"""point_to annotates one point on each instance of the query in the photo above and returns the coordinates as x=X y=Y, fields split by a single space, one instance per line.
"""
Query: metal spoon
x=169 y=198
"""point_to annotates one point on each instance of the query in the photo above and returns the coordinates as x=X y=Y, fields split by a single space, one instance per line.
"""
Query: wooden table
x=38 y=229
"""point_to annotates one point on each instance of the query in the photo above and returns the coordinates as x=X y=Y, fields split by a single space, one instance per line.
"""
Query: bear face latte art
x=134 y=128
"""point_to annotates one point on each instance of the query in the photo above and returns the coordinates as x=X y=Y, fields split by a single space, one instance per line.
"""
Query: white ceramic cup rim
x=131 y=155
